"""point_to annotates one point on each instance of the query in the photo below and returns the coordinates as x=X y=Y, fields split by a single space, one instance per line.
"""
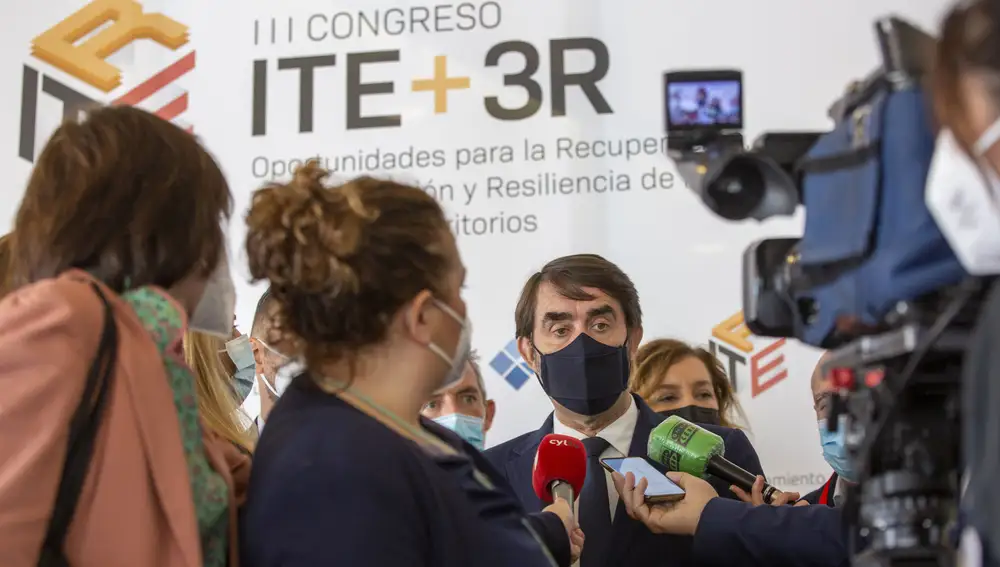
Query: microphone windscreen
x=559 y=457
x=682 y=446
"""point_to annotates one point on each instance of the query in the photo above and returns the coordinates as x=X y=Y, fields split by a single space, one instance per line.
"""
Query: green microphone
x=682 y=446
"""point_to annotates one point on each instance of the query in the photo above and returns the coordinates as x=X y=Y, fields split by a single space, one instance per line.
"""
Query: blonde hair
x=216 y=401
x=655 y=358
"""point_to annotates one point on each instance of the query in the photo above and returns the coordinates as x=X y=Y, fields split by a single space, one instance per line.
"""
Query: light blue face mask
x=243 y=382
x=240 y=352
x=835 y=451
x=469 y=428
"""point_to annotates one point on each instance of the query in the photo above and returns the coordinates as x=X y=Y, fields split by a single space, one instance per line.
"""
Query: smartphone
x=659 y=487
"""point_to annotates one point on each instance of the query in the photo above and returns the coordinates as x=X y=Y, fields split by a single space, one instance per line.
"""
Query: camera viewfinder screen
x=705 y=104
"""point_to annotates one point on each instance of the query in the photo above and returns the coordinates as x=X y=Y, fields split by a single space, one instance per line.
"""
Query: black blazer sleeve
x=813 y=497
x=550 y=528
x=736 y=534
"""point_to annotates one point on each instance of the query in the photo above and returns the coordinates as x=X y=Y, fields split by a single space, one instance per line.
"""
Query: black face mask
x=585 y=376
x=694 y=414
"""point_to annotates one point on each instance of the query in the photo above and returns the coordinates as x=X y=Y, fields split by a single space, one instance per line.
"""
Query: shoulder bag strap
x=83 y=429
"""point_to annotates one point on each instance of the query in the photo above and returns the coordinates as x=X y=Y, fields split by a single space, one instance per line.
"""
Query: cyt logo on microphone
x=560 y=461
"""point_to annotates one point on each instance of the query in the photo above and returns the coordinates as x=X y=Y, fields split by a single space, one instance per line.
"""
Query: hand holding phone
x=659 y=487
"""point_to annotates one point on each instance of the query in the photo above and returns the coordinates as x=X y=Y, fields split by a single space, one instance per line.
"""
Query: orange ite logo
x=731 y=344
x=80 y=45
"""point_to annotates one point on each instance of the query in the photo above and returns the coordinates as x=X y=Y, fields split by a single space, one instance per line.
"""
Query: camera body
x=872 y=279
x=869 y=241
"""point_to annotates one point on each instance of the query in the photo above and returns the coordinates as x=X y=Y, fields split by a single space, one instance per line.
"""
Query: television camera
x=872 y=279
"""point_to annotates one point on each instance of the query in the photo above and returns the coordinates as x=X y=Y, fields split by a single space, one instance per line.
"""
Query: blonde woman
x=674 y=377
x=216 y=401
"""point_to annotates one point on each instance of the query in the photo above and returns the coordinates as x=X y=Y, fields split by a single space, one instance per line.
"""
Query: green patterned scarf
x=211 y=494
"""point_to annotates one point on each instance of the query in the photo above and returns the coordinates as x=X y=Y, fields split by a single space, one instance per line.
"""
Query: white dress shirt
x=839 y=491
x=251 y=410
x=619 y=436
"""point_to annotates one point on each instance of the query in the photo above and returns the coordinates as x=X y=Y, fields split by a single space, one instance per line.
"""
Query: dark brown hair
x=342 y=261
x=970 y=42
x=570 y=274
x=6 y=246
x=125 y=195
x=655 y=358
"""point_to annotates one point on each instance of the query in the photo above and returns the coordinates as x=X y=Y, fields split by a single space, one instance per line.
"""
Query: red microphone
x=560 y=468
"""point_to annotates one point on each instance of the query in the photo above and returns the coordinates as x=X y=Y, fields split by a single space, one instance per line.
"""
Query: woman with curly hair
x=366 y=285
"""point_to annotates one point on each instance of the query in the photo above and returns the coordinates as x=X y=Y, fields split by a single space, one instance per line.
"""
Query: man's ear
x=491 y=410
x=634 y=339
x=258 y=355
x=528 y=353
x=415 y=320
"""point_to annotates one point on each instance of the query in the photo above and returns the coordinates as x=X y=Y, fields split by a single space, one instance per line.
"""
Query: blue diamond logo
x=510 y=366
x=512 y=352
x=517 y=377
x=501 y=363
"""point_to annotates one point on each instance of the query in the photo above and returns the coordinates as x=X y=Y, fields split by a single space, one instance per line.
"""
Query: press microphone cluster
x=682 y=446
x=560 y=468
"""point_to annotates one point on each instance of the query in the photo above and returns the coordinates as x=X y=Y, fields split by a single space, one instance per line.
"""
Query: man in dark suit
x=835 y=489
x=824 y=495
x=578 y=324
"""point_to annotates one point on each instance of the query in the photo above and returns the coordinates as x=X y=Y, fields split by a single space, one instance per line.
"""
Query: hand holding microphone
x=689 y=453
x=558 y=476
x=756 y=495
x=684 y=447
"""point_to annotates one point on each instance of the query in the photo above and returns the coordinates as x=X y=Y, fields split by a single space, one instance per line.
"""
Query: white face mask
x=463 y=349
x=963 y=195
x=214 y=313
x=284 y=375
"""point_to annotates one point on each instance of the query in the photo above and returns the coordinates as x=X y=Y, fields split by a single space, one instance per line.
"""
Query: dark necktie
x=595 y=512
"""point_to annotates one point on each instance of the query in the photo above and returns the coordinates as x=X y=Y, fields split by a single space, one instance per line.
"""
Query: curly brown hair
x=655 y=358
x=342 y=260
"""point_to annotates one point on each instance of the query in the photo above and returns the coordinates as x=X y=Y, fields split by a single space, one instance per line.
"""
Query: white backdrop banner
x=538 y=126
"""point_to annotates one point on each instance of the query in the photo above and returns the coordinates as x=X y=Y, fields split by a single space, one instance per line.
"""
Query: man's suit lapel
x=522 y=464
x=624 y=528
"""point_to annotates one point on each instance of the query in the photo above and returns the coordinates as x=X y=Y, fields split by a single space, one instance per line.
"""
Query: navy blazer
x=736 y=534
x=827 y=489
x=332 y=486
x=632 y=543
